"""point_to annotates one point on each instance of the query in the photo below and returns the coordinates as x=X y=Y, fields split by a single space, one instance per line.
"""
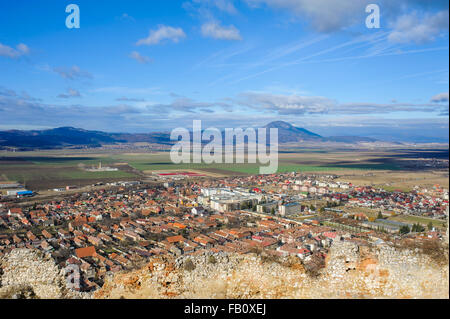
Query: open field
x=39 y=172
x=204 y=172
x=397 y=180
x=409 y=219
x=390 y=169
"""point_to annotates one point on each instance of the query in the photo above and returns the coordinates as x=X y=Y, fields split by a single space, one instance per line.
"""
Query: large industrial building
x=226 y=199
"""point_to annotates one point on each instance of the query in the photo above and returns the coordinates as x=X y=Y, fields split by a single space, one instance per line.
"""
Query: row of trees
x=416 y=228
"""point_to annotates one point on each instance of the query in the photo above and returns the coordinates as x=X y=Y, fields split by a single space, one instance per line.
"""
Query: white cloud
x=19 y=112
x=223 y=5
x=439 y=98
x=296 y=104
x=70 y=93
x=286 y=104
x=333 y=15
x=163 y=33
x=325 y=15
x=72 y=73
x=19 y=109
x=128 y=99
x=216 y=31
x=23 y=48
x=411 y=28
x=127 y=17
x=140 y=58
x=184 y=104
x=9 y=52
x=22 y=96
x=7 y=92
x=128 y=90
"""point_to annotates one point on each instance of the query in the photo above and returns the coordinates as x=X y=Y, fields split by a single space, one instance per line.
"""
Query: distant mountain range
x=288 y=133
x=73 y=137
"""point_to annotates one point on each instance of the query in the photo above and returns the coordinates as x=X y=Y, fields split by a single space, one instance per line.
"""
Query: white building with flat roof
x=289 y=209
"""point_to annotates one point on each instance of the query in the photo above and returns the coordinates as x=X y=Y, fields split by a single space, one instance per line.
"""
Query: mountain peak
x=280 y=124
x=288 y=133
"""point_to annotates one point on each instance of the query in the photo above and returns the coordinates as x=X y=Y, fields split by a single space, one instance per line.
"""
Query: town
x=110 y=229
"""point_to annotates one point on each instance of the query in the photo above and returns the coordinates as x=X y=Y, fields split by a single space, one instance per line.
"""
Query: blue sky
x=141 y=66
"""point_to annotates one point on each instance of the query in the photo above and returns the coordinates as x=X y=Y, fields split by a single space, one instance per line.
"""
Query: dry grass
x=403 y=180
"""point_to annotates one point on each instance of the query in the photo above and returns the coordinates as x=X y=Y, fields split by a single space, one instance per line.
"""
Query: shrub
x=212 y=259
x=18 y=292
x=189 y=265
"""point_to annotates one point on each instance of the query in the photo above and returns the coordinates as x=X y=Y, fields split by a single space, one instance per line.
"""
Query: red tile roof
x=85 y=252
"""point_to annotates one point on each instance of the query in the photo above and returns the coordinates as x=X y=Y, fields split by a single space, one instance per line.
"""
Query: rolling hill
x=64 y=137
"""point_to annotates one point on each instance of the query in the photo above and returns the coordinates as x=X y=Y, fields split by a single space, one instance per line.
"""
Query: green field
x=62 y=167
x=239 y=168
x=39 y=171
x=46 y=170
x=395 y=188
x=315 y=163
x=30 y=173
x=418 y=219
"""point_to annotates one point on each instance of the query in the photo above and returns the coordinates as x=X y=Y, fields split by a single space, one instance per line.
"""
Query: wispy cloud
x=324 y=15
x=127 y=17
x=439 y=98
x=226 y=6
x=378 y=108
x=184 y=104
x=352 y=42
x=275 y=54
x=285 y=104
x=278 y=53
x=9 y=52
x=140 y=58
x=223 y=56
x=128 y=99
x=331 y=15
x=411 y=28
x=163 y=33
x=217 y=31
x=296 y=104
x=340 y=49
x=18 y=112
x=125 y=90
x=72 y=73
x=71 y=93
x=392 y=52
x=23 y=96
x=7 y=92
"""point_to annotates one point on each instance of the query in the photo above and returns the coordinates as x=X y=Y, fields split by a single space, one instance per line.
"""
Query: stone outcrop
x=350 y=272
x=31 y=274
x=381 y=272
x=206 y=276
